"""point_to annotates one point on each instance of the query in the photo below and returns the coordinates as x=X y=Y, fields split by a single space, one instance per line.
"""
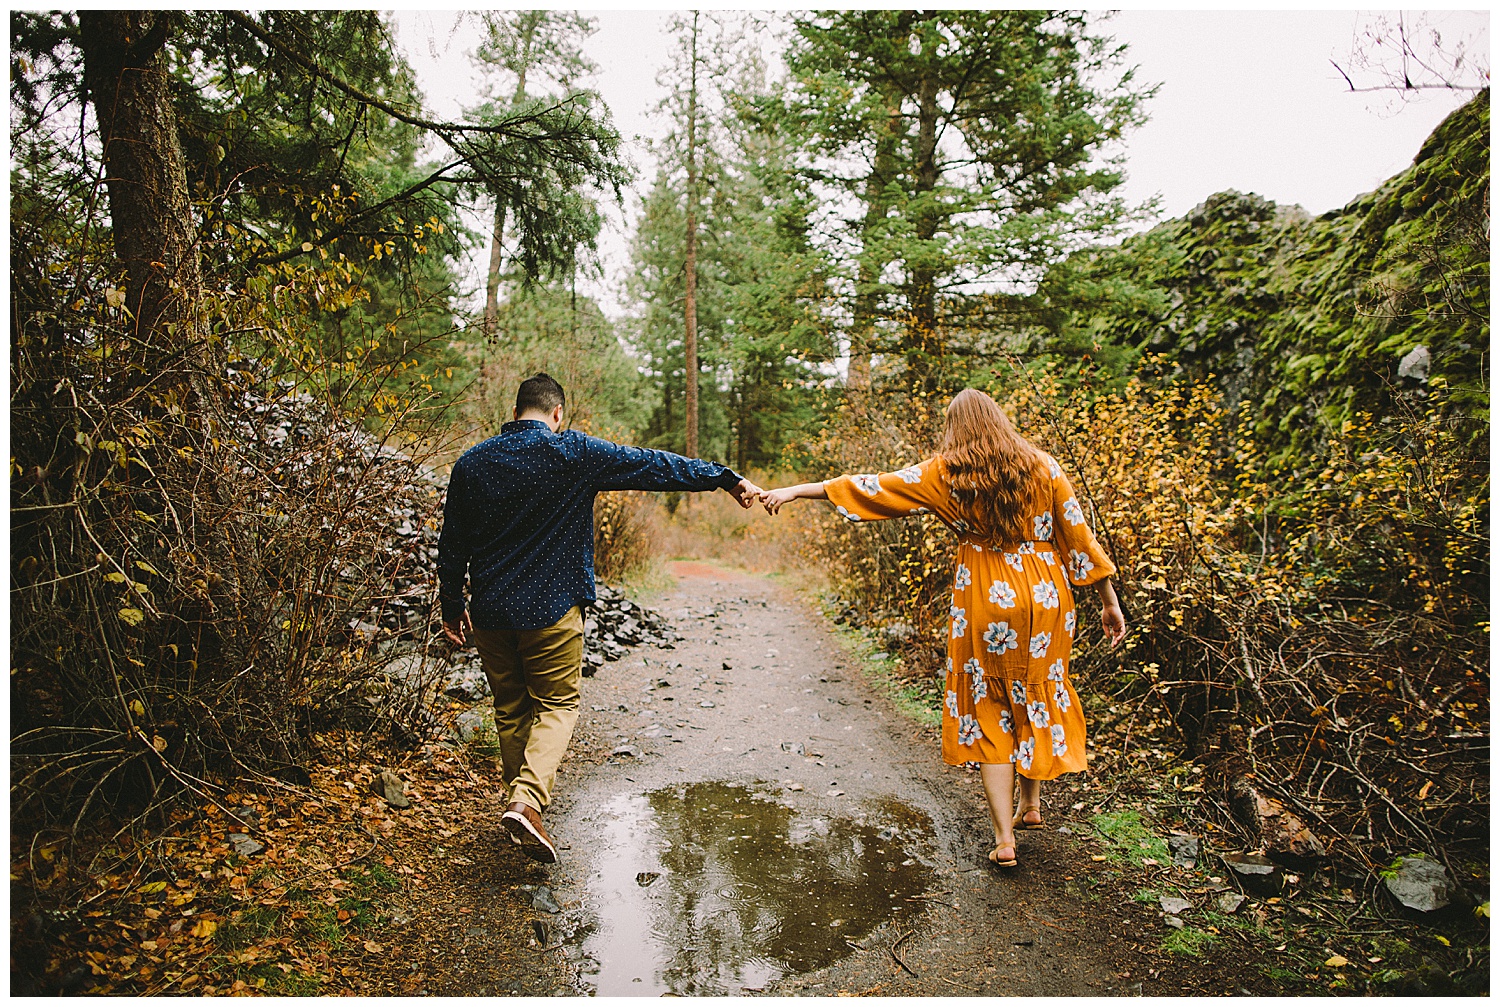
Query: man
x=519 y=520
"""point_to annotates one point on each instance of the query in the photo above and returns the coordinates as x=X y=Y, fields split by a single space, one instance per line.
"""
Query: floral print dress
x=1009 y=696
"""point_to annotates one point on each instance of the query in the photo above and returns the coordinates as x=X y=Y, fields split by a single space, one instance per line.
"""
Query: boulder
x=1184 y=849
x=468 y=684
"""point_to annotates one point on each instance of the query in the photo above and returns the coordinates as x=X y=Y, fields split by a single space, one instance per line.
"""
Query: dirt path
x=745 y=814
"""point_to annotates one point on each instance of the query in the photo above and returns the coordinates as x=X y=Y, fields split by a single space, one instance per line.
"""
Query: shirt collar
x=515 y=426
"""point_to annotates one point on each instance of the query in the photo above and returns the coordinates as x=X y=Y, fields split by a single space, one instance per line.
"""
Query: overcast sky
x=1248 y=101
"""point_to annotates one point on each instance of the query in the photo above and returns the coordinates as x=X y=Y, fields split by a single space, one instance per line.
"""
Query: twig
x=899 y=941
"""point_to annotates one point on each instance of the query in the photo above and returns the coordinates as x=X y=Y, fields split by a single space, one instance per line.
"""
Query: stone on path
x=1230 y=902
x=1254 y=871
x=243 y=845
x=1184 y=849
x=392 y=788
x=1174 y=906
x=1420 y=883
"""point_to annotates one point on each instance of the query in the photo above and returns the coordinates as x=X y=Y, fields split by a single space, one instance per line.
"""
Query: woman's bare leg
x=999 y=779
x=1031 y=798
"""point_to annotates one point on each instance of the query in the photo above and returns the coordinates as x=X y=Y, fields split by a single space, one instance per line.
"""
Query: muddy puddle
x=717 y=889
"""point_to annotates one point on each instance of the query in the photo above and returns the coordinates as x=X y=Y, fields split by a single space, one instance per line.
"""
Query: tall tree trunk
x=690 y=298
x=497 y=236
x=492 y=279
x=871 y=264
x=150 y=215
x=925 y=344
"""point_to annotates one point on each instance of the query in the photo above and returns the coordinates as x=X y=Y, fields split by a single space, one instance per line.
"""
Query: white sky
x=1248 y=101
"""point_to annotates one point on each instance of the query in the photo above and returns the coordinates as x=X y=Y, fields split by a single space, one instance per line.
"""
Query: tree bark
x=492 y=279
x=690 y=294
x=871 y=265
x=151 y=217
x=925 y=345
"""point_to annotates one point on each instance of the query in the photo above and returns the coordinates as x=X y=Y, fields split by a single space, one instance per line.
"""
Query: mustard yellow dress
x=1009 y=695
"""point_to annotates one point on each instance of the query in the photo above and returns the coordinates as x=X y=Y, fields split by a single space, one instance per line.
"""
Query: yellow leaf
x=152 y=887
x=116 y=577
x=1442 y=940
x=138 y=708
x=205 y=928
x=132 y=616
x=307 y=246
x=1483 y=909
x=143 y=565
x=373 y=948
x=1337 y=962
x=159 y=743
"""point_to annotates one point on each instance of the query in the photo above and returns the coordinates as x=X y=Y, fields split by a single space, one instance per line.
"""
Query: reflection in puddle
x=714 y=889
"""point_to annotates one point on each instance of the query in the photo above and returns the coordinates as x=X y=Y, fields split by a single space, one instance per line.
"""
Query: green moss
x=1130 y=838
x=1188 y=941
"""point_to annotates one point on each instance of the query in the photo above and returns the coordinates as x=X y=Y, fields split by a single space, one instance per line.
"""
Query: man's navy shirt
x=519 y=519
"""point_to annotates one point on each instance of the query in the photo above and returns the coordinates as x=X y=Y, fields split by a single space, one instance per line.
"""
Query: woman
x=1022 y=541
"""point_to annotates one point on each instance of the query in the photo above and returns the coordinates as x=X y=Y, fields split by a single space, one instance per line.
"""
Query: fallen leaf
x=373 y=948
x=1442 y=940
x=205 y=928
x=1337 y=962
x=1098 y=856
x=1426 y=789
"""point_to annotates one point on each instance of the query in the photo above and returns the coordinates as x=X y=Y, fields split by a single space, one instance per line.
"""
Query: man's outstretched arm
x=621 y=467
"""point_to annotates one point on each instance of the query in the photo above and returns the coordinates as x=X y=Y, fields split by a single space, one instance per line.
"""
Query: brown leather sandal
x=1000 y=861
x=1023 y=820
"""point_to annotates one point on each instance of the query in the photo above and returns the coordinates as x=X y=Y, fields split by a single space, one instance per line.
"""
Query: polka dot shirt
x=519 y=519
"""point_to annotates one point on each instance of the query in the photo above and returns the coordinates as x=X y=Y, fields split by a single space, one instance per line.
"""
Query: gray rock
x=411 y=670
x=1420 y=883
x=468 y=684
x=1230 y=903
x=1184 y=849
x=795 y=747
x=630 y=751
x=1174 y=906
x=469 y=725
x=399 y=918
x=898 y=633
x=391 y=787
x=1254 y=871
x=243 y=845
x=1175 y=922
x=1415 y=364
x=707 y=704
x=542 y=899
x=644 y=878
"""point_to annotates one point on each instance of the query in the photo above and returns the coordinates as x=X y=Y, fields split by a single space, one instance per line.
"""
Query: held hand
x=774 y=500
x=1114 y=623
x=746 y=493
x=457 y=632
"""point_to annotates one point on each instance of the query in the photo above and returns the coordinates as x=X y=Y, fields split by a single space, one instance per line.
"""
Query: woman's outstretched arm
x=775 y=499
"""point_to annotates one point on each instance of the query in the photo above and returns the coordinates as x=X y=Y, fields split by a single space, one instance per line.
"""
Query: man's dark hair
x=540 y=392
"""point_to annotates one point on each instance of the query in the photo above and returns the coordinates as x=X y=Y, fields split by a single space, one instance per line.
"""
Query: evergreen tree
x=965 y=151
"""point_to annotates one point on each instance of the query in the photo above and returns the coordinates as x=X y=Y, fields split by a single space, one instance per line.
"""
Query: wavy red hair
x=991 y=468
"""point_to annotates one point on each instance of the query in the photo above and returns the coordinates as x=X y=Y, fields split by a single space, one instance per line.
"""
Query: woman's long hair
x=991 y=468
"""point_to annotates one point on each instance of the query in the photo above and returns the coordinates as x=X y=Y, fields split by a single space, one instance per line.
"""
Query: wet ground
x=762 y=819
x=745 y=815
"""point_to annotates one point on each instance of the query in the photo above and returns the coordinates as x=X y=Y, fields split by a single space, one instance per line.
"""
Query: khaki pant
x=534 y=676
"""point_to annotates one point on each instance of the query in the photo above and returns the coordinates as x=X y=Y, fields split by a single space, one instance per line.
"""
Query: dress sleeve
x=915 y=490
x=1082 y=555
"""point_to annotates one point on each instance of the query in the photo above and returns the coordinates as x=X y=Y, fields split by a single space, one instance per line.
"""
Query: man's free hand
x=458 y=632
x=746 y=493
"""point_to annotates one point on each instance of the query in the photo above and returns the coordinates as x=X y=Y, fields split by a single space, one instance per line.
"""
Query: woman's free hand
x=1114 y=623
